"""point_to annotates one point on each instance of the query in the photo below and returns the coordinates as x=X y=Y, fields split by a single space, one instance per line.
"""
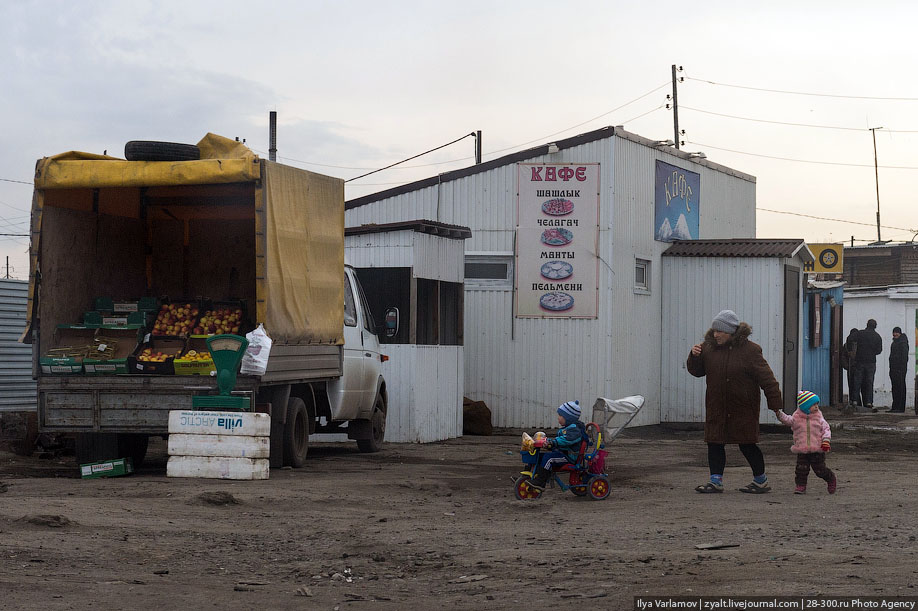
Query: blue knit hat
x=570 y=411
x=806 y=400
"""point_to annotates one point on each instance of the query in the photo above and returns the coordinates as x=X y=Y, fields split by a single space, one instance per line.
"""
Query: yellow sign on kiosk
x=830 y=259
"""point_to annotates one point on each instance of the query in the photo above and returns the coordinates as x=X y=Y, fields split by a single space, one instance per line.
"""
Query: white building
x=559 y=304
x=893 y=306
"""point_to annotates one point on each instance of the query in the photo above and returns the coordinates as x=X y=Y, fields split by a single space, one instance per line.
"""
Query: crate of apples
x=175 y=319
x=219 y=320
x=194 y=355
x=151 y=355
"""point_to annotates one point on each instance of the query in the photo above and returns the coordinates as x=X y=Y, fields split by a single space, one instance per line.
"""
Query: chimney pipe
x=272 y=136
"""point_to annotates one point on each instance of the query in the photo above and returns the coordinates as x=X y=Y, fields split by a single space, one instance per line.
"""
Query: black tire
x=150 y=150
x=377 y=428
x=296 y=434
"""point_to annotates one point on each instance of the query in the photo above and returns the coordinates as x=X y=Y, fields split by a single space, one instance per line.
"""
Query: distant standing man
x=847 y=361
x=898 y=359
x=869 y=345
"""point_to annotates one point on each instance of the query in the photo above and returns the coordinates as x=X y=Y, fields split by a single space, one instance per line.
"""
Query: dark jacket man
x=735 y=372
x=898 y=351
x=869 y=344
x=898 y=361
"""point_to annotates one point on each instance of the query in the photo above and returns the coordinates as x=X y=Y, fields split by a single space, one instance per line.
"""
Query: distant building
x=881 y=265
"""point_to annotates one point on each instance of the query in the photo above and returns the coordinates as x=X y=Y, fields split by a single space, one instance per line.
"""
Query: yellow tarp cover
x=304 y=255
x=222 y=161
x=299 y=219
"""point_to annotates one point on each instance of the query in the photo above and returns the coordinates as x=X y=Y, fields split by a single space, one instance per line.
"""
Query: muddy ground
x=431 y=526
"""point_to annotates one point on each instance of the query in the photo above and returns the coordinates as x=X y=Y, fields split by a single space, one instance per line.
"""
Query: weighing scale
x=227 y=351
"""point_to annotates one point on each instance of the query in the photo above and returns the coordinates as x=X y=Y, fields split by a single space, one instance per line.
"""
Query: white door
x=346 y=395
x=371 y=362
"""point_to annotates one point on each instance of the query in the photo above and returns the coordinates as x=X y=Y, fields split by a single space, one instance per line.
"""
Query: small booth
x=417 y=266
x=823 y=336
x=760 y=280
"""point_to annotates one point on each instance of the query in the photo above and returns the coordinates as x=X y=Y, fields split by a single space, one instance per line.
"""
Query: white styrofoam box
x=217 y=467
x=219 y=423
x=231 y=446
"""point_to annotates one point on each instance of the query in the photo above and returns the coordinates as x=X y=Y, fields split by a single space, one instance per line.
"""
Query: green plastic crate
x=107 y=468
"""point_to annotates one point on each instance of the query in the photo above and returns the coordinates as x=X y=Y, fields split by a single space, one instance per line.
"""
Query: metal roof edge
x=537 y=151
x=685 y=156
x=530 y=153
x=443 y=230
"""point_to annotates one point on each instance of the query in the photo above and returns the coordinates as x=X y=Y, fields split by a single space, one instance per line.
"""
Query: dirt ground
x=431 y=526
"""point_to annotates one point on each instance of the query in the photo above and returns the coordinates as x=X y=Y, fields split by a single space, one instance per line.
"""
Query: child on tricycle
x=576 y=449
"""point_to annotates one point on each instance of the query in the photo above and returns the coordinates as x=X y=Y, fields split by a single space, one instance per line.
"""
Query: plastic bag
x=255 y=359
x=527 y=443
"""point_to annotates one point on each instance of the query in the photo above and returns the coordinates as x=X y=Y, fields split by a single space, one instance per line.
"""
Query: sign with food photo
x=557 y=234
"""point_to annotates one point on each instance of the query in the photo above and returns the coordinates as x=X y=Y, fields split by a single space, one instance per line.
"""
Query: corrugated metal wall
x=726 y=210
x=817 y=373
x=697 y=289
x=524 y=368
x=890 y=309
x=425 y=395
x=429 y=256
x=17 y=388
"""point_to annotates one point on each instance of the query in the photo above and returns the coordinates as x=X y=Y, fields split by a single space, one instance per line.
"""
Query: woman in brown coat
x=735 y=370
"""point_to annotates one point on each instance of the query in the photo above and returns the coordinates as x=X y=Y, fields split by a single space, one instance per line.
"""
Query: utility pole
x=7 y=268
x=675 y=109
x=477 y=135
x=876 y=172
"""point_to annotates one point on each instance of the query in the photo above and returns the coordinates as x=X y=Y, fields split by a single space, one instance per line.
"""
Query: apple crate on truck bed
x=230 y=227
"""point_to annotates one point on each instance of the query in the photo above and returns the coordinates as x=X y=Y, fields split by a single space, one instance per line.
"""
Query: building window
x=489 y=271
x=642 y=276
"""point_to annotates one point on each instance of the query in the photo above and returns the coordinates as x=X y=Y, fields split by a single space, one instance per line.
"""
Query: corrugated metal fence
x=17 y=388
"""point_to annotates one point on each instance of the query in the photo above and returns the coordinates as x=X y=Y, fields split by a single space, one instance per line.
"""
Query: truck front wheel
x=377 y=428
x=296 y=433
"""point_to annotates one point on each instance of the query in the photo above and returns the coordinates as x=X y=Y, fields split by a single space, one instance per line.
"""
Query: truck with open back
x=225 y=228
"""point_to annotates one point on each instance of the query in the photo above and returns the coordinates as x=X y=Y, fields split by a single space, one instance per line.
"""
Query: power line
x=22 y=182
x=820 y=95
x=839 y=163
x=472 y=134
x=854 y=129
x=655 y=89
x=826 y=218
x=342 y=167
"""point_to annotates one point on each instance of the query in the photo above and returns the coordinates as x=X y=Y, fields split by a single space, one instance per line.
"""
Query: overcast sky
x=360 y=85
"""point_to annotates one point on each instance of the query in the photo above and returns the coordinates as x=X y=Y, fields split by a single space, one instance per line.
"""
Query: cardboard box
x=144 y=304
x=228 y=446
x=167 y=345
x=124 y=342
x=217 y=467
x=107 y=468
x=78 y=339
x=106 y=319
x=186 y=367
x=219 y=423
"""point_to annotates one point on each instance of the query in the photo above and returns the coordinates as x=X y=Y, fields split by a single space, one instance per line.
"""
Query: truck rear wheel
x=296 y=433
x=377 y=428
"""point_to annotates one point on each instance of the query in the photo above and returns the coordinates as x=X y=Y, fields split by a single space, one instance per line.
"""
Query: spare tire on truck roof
x=151 y=150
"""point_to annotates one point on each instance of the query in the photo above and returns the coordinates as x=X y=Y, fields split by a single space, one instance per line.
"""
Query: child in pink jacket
x=811 y=441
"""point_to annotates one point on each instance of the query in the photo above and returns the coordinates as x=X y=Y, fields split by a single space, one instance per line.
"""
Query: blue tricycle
x=585 y=476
